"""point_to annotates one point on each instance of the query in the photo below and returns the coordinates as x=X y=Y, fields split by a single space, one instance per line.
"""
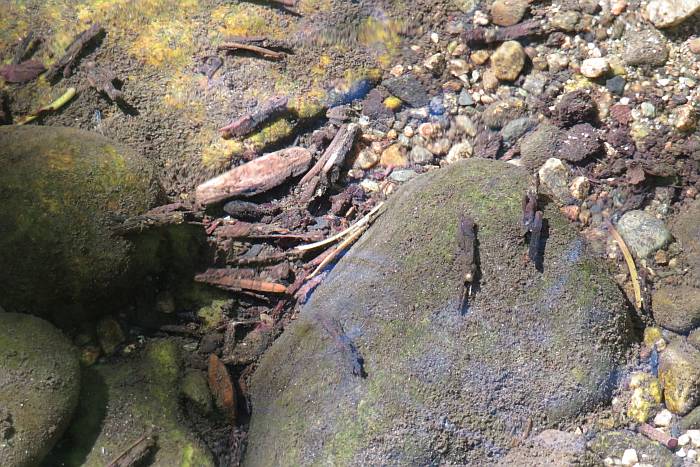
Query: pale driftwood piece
x=267 y=53
x=256 y=176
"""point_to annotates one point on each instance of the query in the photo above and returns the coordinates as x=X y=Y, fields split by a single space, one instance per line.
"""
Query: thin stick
x=630 y=265
x=252 y=48
x=144 y=438
x=338 y=250
x=367 y=219
x=52 y=107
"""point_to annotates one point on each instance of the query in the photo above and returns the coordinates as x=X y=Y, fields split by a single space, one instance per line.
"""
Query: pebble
x=694 y=437
x=402 y=176
x=370 y=186
x=459 y=67
x=643 y=233
x=616 y=85
x=579 y=187
x=508 y=60
x=366 y=159
x=645 y=48
x=692 y=455
x=427 y=130
x=629 y=457
x=594 y=67
x=694 y=45
x=408 y=89
x=685 y=118
x=565 y=20
x=679 y=374
x=435 y=63
x=508 y=12
x=663 y=418
x=465 y=98
x=459 y=151
x=557 y=62
x=466 y=125
x=648 y=109
x=517 y=128
x=667 y=13
x=677 y=307
x=535 y=83
x=394 y=156
x=683 y=439
x=646 y=396
x=420 y=155
x=554 y=177
x=479 y=57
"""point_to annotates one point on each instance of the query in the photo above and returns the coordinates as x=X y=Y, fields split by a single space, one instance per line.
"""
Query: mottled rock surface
x=39 y=386
x=442 y=386
x=643 y=233
x=677 y=308
x=62 y=191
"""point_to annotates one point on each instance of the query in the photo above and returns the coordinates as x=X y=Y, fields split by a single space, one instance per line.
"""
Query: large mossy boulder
x=61 y=191
x=126 y=399
x=39 y=387
x=441 y=386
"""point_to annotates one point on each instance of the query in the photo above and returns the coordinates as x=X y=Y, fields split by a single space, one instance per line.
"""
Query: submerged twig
x=135 y=453
x=533 y=251
x=490 y=35
x=367 y=219
x=242 y=126
x=102 y=79
x=267 y=53
x=338 y=250
x=630 y=265
x=52 y=107
x=467 y=247
x=228 y=280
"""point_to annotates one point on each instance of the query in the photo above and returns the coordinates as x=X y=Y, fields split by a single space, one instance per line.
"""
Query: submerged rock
x=677 y=308
x=39 y=386
x=442 y=385
x=613 y=444
x=121 y=401
x=62 y=190
x=643 y=233
x=679 y=373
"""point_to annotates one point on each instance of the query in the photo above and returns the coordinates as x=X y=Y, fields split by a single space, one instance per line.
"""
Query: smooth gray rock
x=643 y=233
x=444 y=384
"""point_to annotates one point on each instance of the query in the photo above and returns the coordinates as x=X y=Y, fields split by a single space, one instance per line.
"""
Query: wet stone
x=643 y=233
x=420 y=155
x=677 y=308
x=517 y=128
x=501 y=112
x=565 y=20
x=508 y=12
x=613 y=444
x=645 y=48
x=508 y=60
x=679 y=373
x=616 y=85
x=667 y=13
x=408 y=89
x=538 y=146
x=579 y=143
x=465 y=98
x=466 y=125
x=555 y=357
x=575 y=107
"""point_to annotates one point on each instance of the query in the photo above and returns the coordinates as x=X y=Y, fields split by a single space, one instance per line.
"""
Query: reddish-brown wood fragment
x=221 y=388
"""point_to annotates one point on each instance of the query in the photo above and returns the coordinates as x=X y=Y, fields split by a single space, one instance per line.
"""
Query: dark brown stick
x=66 y=63
x=102 y=79
x=267 y=53
x=135 y=453
x=490 y=35
x=657 y=435
x=244 y=125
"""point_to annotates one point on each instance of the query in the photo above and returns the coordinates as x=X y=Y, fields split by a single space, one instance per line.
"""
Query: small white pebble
x=629 y=457
x=624 y=100
x=692 y=454
x=608 y=461
x=663 y=418
x=681 y=452
x=694 y=437
x=434 y=37
x=664 y=82
x=683 y=439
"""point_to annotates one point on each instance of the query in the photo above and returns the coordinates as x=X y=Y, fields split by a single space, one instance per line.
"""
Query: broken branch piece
x=102 y=79
x=67 y=61
x=367 y=219
x=247 y=123
x=267 y=53
x=630 y=265
x=255 y=177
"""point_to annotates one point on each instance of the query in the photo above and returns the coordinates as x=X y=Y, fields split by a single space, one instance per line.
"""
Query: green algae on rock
x=39 y=387
x=62 y=190
x=123 y=400
x=441 y=387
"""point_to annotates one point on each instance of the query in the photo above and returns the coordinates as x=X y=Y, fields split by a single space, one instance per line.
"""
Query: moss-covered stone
x=614 y=443
x=442 y=386
x=39 y=386
x=121 y=401
x=196 y=390
x=679 y=373
x=62 y=190
x=646 y=396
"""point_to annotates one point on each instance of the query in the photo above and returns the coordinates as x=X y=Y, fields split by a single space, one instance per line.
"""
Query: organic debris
x=222 y=388
x=22 y=72
x=67 y=62
x=102 y=79
x=244 y=125
x=267 y=53
x=630 y=265
x=135 y=454
x=26 y=48
x=256 y=176
x=229 y=279
x=52 y=107
x=466 y=237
